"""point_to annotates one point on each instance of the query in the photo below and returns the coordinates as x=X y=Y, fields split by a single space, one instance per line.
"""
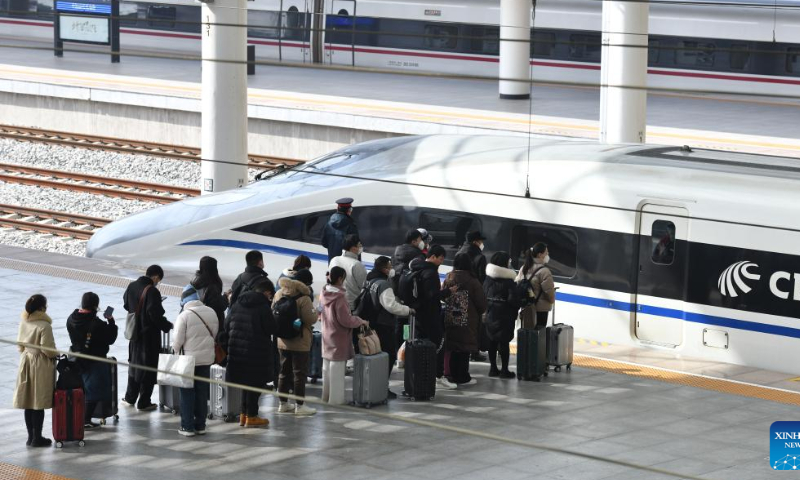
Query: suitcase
x=68 y=416
x=560 y=346
x=315 y=360
x=371 y=379
x=224 y=401
x=531 y=353
x=110 y=409
x=419 y=377
x=169 y=397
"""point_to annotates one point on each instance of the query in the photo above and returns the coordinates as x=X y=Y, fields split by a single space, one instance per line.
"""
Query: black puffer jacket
x=429 y=313
x=245 y=281
x=247 y=339
x=403 y=255
x=80 y=324
x=478 y=260
x=503 y=303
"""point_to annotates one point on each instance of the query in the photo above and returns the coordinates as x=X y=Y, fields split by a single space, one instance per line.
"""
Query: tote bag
x=175 y=365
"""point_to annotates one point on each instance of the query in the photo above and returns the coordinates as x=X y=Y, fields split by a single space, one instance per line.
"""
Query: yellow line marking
x=15 y=472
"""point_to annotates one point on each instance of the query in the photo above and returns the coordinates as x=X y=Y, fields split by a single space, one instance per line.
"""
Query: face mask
x=546 y=259
x=391 y=273
x=510 y=264
x=421 y=245
x=360 y=250
x=481 y=247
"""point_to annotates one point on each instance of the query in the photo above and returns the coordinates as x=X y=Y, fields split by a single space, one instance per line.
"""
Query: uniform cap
x=344 y=202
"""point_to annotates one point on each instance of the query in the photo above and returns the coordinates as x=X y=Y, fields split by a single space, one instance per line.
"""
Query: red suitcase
x=68 y=417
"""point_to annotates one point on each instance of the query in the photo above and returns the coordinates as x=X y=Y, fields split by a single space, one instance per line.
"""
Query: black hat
x=304 y=276
x=344 y=202
x=475 y=236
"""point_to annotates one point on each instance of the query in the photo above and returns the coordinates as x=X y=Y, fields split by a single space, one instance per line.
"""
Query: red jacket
x=337 y=325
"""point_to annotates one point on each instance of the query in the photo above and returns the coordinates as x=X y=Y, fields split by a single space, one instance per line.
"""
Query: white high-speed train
x=746 y=46
x=696 y=251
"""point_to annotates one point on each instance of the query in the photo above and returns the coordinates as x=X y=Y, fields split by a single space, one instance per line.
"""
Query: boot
x=29 y=426
x=38 y=439
x=256 y=422
x=242 y=419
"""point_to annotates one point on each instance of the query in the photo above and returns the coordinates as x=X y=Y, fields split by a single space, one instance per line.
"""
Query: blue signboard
x=92 y=8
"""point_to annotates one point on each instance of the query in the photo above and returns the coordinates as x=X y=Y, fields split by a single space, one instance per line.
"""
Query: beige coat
x=36 y=377
x=305 y=308
x=542 y=279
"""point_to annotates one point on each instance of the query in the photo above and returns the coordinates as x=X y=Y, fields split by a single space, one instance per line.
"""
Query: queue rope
x=352 y=409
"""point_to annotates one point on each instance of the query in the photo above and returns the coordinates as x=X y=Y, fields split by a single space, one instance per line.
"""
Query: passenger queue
x=263 y=335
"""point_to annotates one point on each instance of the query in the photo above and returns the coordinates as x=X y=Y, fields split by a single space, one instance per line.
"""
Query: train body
x=738 y=47
x=697 y=252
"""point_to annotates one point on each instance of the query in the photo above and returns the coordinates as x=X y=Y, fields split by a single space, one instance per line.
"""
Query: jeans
x=143 y=391
x=294 y=371
x=194 y=401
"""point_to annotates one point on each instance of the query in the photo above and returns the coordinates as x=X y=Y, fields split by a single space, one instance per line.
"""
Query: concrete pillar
x=515 y=49
x=224 y=95
x=623 y=111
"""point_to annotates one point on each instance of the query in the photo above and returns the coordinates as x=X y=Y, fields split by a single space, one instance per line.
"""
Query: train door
x=296 y=37
x=339 y=32
x=661 y=282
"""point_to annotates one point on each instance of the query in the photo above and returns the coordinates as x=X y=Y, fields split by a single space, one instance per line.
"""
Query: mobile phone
x=109 y=312
x=163 y=299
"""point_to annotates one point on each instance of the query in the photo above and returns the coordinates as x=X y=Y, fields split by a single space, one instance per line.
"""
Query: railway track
x=113 y=187
x=51 y=222
x=128 y=146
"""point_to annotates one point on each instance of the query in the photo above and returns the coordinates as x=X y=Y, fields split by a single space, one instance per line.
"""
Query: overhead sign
x=84 y=29
x=77 y=7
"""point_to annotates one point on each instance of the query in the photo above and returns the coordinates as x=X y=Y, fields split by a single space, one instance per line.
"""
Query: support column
x=515 y=49
x=224 y=95
x=623 y=111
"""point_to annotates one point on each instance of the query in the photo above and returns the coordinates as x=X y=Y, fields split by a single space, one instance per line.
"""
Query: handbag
x=219 y=352
x=131 y=332
x=173 y=369
x=368 y=342
x=456 y=311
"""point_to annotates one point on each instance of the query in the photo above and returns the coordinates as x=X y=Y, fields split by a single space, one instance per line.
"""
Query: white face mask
x=546 y=260
x=391 y=273
x=421 y=245
x=481 y=247
x=360 y=250
x=510 y=264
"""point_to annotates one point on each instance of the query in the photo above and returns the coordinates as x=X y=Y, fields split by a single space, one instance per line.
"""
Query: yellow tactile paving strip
x=730 y=387
x=14 y=472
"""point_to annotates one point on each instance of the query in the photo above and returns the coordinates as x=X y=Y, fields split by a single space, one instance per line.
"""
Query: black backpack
x=408 y=288
x=364 y=305
x=285 y=313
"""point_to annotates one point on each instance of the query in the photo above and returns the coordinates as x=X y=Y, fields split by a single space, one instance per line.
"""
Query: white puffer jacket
x=193 y=336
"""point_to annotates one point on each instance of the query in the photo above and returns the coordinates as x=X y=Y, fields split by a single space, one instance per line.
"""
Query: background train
x=692 y=251
x=752 y=47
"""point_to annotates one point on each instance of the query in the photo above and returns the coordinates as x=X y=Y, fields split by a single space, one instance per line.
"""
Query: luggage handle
x=412 y=322
x=554 y=305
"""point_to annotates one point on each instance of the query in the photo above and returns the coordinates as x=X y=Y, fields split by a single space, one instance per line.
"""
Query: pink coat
x=337 y=325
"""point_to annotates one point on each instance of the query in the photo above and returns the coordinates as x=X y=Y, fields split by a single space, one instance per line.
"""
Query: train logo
x=731 y=279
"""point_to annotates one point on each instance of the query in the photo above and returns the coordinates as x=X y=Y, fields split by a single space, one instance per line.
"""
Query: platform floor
x=737 y=122
x=675 y=427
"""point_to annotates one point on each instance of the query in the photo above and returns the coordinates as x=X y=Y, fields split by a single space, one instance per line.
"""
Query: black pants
x=387 y=336
x=34 y=420
x=294 y=371
x=90 y=406
x=494 y=349
x=541 y=319
x=459 y=367
x=250 y=403
x=143 y=391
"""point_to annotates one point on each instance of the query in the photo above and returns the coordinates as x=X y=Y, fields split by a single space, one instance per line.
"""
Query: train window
x=586 y=47
x=740 y=56
x=128 y=14
x=542 y=44
x=289 y=228
x=295 y=25
x=339 y=28
x=263 y=23
x=653 y=51
x=485 y=40
x=793 y=60
x=561 y=242
x=662 y=241
x=448 y=229
x=695 y=54
x=161 y=16
x=441 y=37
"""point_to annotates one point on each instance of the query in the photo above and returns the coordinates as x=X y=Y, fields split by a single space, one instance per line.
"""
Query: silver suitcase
x=560 y=339
x=225 y=402
x=371 y=379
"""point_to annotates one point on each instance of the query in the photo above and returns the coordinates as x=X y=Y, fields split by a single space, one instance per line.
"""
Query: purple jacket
x=337 y=325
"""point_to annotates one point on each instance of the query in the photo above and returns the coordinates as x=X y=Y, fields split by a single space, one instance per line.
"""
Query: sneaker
x=508 y=374
x=304 y=410
x=494 y=372
x=186 y=433
x=256 y=422
x=200 y=431
x=90 y=425
x=127 y=402
x=391 y=395
x=445 y=384
x=148 y=408
x=472 y=381
x=285 y=407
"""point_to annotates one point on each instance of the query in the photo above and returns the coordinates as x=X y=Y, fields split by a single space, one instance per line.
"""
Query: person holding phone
x=91 y=336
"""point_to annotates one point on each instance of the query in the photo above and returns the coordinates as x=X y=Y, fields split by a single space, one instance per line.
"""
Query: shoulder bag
x=131 y=332
x=219 y=352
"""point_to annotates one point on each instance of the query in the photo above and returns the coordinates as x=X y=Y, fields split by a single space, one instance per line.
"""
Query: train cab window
x=289 y=228
x=793 y=60
x=561 y=242
x=695 y=54
x=484 y=40
x=448 y=229
x=542 y=44
x=740 y=56
x=161 y=16
x=441 y=37
x=585 y=47
x=263 y=23
x=314 y=225
x=662 y=241
x=653 y=51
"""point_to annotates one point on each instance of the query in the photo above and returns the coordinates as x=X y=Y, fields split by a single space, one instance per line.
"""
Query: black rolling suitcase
x=109 y=409
x=420 y=367
x=531 y=353
x=169 y=397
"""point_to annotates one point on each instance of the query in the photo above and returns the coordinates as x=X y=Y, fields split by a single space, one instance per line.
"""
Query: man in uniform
x=339 y=226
